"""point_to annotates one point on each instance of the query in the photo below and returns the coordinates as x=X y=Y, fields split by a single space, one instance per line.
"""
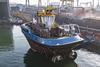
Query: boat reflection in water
x=33 y=59
x=6 y=38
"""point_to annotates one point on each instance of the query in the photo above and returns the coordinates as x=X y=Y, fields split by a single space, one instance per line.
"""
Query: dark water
x=15 y=52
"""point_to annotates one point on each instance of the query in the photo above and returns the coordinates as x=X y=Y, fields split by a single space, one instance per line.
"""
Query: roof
x=50 y=8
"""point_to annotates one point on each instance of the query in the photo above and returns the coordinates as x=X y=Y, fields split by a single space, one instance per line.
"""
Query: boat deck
x=52 y=41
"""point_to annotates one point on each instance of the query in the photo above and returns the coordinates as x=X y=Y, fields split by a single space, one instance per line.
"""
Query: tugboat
x=47 y=37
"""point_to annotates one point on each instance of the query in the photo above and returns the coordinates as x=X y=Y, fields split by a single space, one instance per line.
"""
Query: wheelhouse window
x=48 y=20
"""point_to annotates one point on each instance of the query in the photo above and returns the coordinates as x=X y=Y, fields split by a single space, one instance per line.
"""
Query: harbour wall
x=4 y=9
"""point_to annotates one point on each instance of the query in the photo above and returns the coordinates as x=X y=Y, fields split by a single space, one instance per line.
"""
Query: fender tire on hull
x=72 y=55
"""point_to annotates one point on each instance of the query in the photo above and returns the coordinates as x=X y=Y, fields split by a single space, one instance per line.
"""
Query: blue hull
x=61 y=41
x=51 y=46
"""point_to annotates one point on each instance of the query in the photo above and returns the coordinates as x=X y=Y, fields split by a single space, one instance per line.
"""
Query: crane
x=40 y=2
x=64 y=2
x=27 y=3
